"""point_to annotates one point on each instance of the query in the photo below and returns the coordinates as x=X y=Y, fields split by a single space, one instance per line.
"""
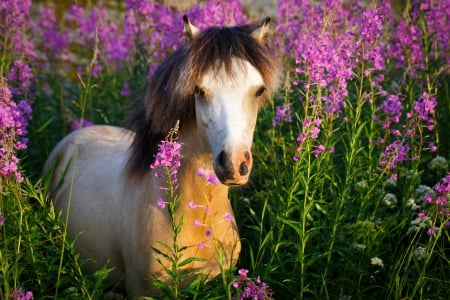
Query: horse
x=213 y=87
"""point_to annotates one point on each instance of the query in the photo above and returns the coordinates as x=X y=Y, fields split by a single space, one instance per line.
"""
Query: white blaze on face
x=226 y=109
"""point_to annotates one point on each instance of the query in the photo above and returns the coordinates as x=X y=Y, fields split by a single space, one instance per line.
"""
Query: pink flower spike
x=431 y=231
x=192 y=205
x=201 y=245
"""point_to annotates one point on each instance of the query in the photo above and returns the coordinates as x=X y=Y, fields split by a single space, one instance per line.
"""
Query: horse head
x=214 y=85
x=237 y=75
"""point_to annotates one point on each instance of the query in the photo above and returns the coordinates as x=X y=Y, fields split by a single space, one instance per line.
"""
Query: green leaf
x=190 y=260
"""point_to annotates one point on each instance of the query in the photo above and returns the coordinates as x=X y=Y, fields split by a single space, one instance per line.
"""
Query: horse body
x=104 y=186
x=116 y=220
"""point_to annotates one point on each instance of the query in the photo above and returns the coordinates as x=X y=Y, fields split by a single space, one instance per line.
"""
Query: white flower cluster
x=420 y=253
x=390 y=200
x=376 y=261
x=438 y=164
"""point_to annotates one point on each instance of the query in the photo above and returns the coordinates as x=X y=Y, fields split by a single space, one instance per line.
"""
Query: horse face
x=226 y=110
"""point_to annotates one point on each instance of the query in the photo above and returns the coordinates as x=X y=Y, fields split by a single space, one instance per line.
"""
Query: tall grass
x=348 y=198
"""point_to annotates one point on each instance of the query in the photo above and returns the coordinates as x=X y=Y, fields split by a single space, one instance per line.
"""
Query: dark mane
x=170 y=92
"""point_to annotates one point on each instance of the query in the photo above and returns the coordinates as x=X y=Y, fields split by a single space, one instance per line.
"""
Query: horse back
x=87 y=187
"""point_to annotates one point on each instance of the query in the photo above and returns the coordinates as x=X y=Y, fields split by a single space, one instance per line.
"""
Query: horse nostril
x=247 y=155
x=243 y=169
x=221 y=160
x=225 y=165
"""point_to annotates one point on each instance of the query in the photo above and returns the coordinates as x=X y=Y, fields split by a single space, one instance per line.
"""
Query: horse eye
x=260 y=91
x=199 y=92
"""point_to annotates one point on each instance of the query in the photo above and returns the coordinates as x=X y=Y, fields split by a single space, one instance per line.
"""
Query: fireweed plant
x=166 y=164
x=15 y=83
x=349 y=192
x=353 y=137
x=30 y=228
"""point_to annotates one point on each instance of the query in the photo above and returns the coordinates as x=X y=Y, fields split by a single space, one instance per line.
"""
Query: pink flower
x=319 y=150
x=197 y=223
x=315 y=132
x=161 y=203
x=442 y=201
x=168 y=157
x=282 y=113
x=77 y=124
x=228 y=217
x=421 y=216
x=201 y=172
x=20 y=295
x=428 y=198
x=14 y=119
x=432 y=147
x=208 y=176
x=126 y=92
x=301 y=138
x=243 y=273
x=395 y=153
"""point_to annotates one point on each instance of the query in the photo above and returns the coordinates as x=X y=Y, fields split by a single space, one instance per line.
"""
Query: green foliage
x=30 y=248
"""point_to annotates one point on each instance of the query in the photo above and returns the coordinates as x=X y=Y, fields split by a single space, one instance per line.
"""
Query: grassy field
x=348 y=197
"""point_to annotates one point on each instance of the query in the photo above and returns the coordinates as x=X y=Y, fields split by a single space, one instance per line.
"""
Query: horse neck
x=206 y=211
x=210 y=200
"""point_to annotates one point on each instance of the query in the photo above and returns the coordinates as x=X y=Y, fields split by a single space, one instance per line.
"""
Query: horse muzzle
x=233 y=168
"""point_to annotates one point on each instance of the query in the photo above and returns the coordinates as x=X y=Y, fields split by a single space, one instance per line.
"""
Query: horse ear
x=264 y=32
x=189 y=31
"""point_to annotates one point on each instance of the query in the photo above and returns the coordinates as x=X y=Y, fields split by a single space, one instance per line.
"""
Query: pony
x=213 y=87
